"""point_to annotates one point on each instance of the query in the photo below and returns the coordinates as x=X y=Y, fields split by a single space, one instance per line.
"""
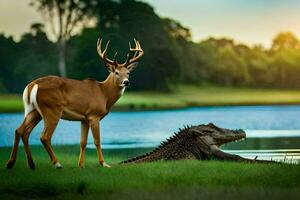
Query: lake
x=272 y=131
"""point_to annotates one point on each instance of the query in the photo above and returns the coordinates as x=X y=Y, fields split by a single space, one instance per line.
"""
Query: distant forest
x=171 y=57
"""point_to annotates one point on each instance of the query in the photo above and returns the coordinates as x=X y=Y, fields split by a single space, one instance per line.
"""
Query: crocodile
x=200 y=142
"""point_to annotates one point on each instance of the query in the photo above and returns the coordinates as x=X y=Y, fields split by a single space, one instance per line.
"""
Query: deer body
x=96 y=98
x=53 y=98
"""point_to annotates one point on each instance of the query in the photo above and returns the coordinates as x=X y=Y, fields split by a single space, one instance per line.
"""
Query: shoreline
x=201 y=105
x=183 y=97
x=141 y=108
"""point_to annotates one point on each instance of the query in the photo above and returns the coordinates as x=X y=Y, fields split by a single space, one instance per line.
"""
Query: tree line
x=171 y=57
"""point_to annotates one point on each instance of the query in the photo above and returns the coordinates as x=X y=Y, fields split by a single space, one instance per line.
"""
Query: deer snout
x=126 y=82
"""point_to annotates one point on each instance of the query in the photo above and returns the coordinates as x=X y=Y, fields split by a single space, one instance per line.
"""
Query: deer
x=52 y=98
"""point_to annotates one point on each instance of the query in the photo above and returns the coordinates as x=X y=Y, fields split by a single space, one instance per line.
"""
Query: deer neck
x=111 y=91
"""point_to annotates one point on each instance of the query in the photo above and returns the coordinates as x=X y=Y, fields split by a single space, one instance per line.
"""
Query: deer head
x=120 y=72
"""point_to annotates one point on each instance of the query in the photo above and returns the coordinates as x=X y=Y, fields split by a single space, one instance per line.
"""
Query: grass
x=11 y=103
x=161 y=180
x=185 y=96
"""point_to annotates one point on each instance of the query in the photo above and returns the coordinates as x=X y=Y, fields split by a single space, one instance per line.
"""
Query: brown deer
x=53 y=98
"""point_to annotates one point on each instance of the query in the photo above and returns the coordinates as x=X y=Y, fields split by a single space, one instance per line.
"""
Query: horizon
x=205 y=19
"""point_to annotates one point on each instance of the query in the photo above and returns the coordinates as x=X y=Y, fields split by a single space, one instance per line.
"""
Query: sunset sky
x=251 y=22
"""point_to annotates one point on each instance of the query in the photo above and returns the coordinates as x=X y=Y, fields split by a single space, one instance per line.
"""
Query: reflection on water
x=280 y=155
x=267 y=127
x=283 y=149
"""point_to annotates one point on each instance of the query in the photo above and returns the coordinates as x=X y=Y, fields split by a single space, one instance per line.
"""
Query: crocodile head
x=213 y=135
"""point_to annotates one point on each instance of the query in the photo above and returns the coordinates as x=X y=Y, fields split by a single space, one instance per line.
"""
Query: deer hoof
x=10 y=164
x=57 y=165
x=81 y=166
x=31 y=165
x=105 y=165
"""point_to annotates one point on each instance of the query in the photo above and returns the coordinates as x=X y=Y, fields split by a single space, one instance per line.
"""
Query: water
x=267 y=127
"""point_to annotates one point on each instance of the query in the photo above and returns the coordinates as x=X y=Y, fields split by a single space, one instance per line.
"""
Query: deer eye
x=117 y=73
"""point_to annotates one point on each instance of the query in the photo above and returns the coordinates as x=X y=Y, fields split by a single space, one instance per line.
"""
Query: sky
x=248 y=21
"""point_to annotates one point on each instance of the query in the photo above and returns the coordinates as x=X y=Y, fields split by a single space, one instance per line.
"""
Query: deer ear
x=132 y=66
x=109 y=67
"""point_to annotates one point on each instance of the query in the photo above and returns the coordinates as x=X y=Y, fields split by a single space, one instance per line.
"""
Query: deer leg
x=13 y=156
x=96 y=135
x=27 y=125
x=83 y=141
x=35 y=118
x=51 y=118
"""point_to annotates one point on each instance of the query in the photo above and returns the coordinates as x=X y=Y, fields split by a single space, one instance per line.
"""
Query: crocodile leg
x=221 y=155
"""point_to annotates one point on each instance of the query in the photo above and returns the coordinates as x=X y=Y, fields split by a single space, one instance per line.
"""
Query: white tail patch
x=32 y=104
x=27 y=106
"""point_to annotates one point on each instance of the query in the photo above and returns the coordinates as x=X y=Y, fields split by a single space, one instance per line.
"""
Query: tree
x=64 y=16
x=176 y=30
x=121 y=21
x=8 y=59
x=36 y=56
x=258 y=61
x=285 y=41
x=37 y=28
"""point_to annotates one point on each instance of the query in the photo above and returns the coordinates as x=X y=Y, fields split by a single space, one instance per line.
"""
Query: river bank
x=182 y=97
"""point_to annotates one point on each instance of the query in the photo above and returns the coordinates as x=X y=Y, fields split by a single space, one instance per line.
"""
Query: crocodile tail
x=132 y=160
x=148 y=157
x=155 y=155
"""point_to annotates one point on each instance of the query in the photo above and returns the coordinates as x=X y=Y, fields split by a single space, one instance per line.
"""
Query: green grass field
x=185 y=96
x=161 y=180
x=11 y=103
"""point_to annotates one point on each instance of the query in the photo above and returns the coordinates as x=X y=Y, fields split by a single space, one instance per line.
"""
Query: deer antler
x=103 y=54
x=139 y=52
